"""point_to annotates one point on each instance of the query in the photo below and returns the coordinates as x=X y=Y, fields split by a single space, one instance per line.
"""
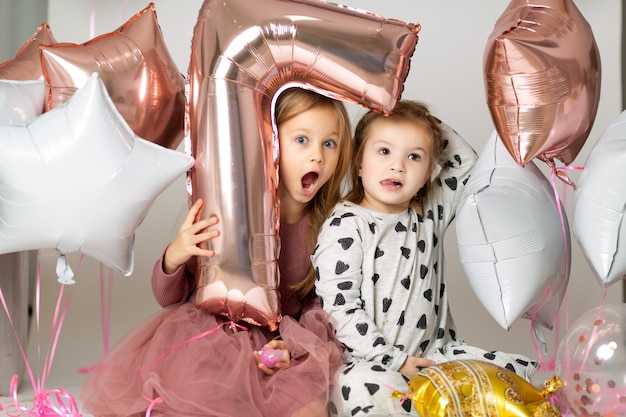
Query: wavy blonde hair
x=291 y=103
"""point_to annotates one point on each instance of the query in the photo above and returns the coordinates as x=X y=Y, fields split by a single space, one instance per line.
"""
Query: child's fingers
x=194 y=211
x=424 y=363
x=276 y=344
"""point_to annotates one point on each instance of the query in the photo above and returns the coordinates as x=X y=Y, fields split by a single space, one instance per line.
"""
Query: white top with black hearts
x=382 y=275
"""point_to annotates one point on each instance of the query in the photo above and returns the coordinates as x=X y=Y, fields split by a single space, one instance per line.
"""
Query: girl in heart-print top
x=380 y=260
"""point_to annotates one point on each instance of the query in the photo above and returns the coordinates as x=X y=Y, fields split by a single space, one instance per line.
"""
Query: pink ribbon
x=56 y=402
x=555 y=173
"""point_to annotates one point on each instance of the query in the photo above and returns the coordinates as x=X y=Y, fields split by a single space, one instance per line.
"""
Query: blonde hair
x=406 y=110
x=291 y=103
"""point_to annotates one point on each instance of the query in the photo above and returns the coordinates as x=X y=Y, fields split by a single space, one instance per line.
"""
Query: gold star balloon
x=139 y=74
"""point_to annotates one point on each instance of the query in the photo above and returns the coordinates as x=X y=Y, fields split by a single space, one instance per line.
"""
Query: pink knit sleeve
x=174 y=288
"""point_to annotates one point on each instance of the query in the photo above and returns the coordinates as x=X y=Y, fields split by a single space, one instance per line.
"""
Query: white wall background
x=18 y=20
x=446 y=72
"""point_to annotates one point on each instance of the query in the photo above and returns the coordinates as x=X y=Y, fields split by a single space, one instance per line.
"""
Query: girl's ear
x=435 y=172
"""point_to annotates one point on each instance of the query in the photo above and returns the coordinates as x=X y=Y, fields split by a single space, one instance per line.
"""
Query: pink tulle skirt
x=215 y=374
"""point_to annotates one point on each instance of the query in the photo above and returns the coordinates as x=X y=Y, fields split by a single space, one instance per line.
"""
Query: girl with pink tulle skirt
x=186 y=361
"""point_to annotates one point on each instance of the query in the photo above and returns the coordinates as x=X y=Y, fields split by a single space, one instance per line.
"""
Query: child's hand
x=283 y=362
x=413 y=364
x=191 y=234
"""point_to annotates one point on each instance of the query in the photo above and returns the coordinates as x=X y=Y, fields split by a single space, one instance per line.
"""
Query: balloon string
x=157 y=400
x=55 y=402
x=532 y=321
x=564 y=233
x=560 y=210
x=17 y=337
x=595 y=326
x=553 y=174
x=106 y=297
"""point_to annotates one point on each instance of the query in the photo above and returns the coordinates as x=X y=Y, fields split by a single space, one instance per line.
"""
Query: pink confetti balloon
x=244 y=53
x=591 y=363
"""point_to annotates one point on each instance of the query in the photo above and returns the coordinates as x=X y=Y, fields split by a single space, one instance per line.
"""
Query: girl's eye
x=383 y=151
x=414 y=157
x=330 y=143
x=301 y=139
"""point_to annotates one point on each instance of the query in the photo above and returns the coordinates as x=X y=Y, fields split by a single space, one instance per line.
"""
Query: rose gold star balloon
x=244 y=53
x=27 y=64
x=137 y=70
x=542 y=79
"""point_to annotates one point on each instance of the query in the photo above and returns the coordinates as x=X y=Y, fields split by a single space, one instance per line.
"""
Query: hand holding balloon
x=273 y=357
x=187 y=242
x=241 y=61
x=413 y=364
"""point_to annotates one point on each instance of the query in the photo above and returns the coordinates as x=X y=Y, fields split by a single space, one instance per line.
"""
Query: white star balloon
x=600 y=203
x=77 y=179
x=21 y=100
x=513 y=239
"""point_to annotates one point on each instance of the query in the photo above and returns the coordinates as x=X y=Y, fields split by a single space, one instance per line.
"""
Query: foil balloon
x=600 y=203
x=21 y=100
x=137 y=70
x=243 y=54
x=77 y=179
x=513 y=239
x=591 y=362
x=475 y=388
x=27 y=63
x=542 y=80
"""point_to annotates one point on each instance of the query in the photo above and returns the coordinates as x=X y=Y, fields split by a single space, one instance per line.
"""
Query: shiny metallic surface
x=243 y=54
x=137 y=70
x=542 y=79
x=27 y=64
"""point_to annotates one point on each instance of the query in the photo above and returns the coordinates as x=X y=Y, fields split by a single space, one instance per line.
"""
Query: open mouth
x=394 y=184
x=309 y=180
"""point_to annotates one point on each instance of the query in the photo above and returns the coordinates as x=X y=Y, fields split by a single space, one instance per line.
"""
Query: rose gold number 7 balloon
x=243 y=53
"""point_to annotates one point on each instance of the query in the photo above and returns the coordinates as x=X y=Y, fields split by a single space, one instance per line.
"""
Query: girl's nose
x=316 y=156
x=397 y=165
